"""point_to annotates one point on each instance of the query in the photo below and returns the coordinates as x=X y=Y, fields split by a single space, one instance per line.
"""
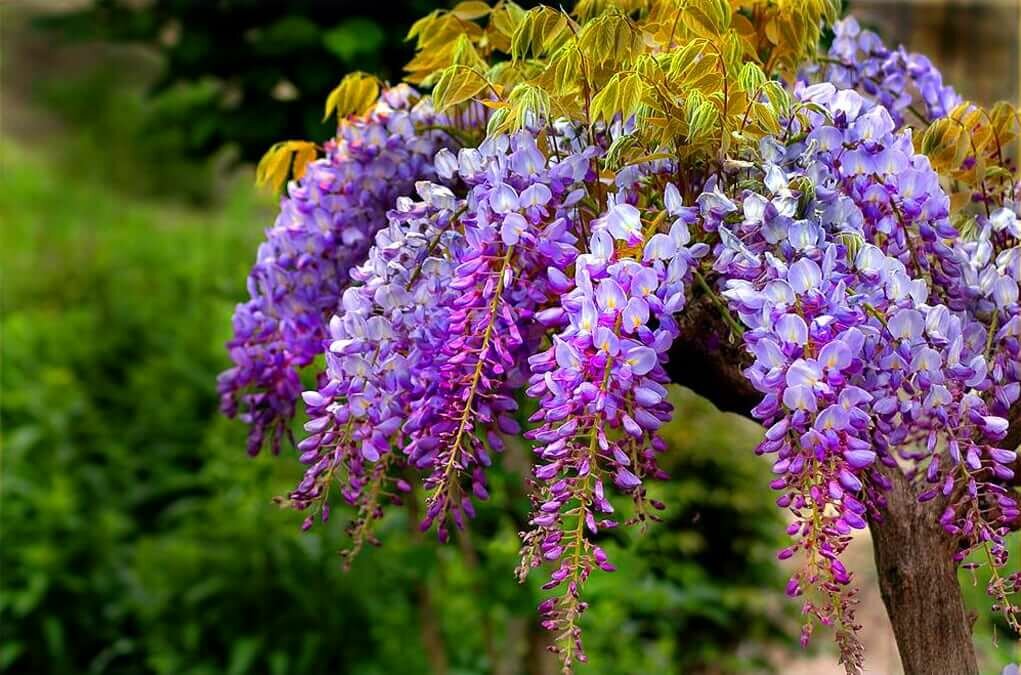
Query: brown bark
x=432 y=638
x=428 y=619
x=917 y=577
x=918 y=583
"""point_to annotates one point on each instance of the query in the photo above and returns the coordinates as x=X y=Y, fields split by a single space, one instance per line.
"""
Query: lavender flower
x=895 y=78
x=325 y=227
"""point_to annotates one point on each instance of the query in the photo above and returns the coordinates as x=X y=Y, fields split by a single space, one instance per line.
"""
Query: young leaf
x=529 y=104
x=621 y=96
x=505 y=18
x=282 y=159
x=611 y=39
x=708 y=18
x=464 y=54
x=469 y=10
x=457 y=84
x=564 y=73
x=751 y=77
x=355 y=94
x=541 y=30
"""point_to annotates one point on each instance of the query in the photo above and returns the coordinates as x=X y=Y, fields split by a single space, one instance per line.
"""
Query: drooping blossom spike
x=895 y=78
x=379 y=340
x=602 y=398
x=326 y=223
x=520 y=211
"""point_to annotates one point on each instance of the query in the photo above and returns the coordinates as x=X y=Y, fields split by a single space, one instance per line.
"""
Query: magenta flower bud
x=778 y=430
x=553 y=553
x=860 y=459
x=854 y=520
x=551 y=317
x=626 y=480
x=632 y=428
x=849 y=481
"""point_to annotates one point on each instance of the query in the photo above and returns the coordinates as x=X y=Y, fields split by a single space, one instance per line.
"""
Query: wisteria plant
x=570 y=211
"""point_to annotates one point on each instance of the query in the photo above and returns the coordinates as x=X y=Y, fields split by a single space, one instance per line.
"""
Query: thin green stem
x=732 y=323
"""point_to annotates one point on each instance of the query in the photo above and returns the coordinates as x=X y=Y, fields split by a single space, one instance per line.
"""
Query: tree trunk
x=918 y=582
x=428 y=620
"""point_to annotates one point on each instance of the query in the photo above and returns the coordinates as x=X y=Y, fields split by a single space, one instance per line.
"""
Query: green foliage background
x=248 y=73
x=137 y=537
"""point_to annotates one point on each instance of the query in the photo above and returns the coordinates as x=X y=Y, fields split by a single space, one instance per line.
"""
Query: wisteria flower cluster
x=530 y=237
x=898 y=79
x=325 y=227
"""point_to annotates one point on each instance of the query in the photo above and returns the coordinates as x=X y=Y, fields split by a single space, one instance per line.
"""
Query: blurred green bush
x=137 y=537
x=249 y=73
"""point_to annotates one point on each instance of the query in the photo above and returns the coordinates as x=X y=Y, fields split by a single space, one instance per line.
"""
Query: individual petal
x=641 y=359
x=514 y=225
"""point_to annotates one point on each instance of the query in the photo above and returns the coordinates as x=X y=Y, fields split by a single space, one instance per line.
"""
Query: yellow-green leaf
x=469 y=10
x=751 y=77
x=610 y=38
x=355 y=95
x=709 y=18
x=621 y=96
x=457 y=84
x=464 y=54
x=506 y=18
x=529 y=104
x=541 y=30
x=282 y=160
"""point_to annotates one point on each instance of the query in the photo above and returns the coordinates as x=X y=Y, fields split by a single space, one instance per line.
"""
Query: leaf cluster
x=689 y=76
x=970 y=146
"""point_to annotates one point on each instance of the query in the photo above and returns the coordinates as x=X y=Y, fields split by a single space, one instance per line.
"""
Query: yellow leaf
x=469 y=10
x=303 y=156
x=563 y=75
x=422 y=26
x=709 y=18
x=529 y=104
x=612 y=39
x=464 y=54
x=355 y=95
x=457 y=84
x=506 y=18
x=276 y=164
x=621 y=96
x=541 y=30
x=751 y=77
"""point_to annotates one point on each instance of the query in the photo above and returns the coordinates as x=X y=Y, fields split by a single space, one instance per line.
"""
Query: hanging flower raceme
x=844 y=333
x=325 y=227
x=554 y=258
x=602 y=396
x=379 y=344
x=518 y=221
x=897 y=79
x=991 y=274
